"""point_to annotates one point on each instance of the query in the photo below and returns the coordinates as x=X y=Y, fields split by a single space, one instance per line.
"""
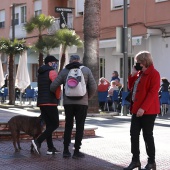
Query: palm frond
x=40 y=22
x=46 y=44
x=12 y=47
x=68 y=37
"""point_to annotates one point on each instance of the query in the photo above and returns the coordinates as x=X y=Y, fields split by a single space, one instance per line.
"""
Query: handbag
x=129 y=97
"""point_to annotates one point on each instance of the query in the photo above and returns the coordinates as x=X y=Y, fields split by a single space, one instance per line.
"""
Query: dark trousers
x=101 y=105
x=80 y=113
x=146 y=123
x=50 y=116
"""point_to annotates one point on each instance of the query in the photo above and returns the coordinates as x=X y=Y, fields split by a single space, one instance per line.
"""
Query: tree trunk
x=63 y=57
x=40 y=53
x=11 y=80
x=62 y=61
x=40 y=59
x=91 y=44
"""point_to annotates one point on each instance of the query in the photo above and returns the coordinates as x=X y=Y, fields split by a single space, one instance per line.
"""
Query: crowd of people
x=114 y=85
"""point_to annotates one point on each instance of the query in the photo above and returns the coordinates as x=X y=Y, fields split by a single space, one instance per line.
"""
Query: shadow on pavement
x=25 y=160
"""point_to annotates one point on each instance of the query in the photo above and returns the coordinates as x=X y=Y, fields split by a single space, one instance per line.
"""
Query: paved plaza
x=109 y=150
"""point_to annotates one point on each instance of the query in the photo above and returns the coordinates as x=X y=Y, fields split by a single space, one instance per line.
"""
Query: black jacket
x=44 y=94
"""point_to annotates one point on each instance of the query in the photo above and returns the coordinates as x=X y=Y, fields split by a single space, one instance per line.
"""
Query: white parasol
x=22 y=78
x=1 y=74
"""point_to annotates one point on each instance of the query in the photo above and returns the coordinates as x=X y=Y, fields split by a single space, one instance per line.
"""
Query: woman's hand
x=140 y=112
x=134 y=71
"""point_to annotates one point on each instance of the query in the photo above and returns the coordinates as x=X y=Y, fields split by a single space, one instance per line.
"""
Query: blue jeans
x=146 y=123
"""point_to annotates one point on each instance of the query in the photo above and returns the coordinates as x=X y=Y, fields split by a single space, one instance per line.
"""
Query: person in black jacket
x=47 y=102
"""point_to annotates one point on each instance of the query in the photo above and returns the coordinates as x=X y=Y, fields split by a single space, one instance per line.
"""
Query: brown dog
x=30 y=125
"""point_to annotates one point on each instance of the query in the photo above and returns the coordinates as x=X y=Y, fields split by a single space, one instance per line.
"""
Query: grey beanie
x=74 y=58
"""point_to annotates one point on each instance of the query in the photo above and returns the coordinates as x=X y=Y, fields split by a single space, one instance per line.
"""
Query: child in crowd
x=111 y=90
x=102 y=87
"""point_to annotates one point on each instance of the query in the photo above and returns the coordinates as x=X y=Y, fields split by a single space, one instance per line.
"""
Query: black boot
x=150 y=166
x=77 y=154
x=133 y=165
x=66 y=153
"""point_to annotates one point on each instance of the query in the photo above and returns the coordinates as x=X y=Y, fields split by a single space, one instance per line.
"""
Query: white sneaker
x=52 y=151
x=36 y=146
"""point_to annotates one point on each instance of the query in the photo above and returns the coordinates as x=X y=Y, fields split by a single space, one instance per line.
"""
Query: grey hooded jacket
x=89 y=79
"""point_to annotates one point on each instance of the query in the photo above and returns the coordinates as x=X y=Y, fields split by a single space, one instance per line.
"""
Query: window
x=4 y=58
x=34 y=72
x=17 y=19
x=130 y=64
x=23 y=14
x=70 y=3
x=79 y=7
x=2 y=18
x=38 y=12
x=2 y=24
x=116 y=4
x=102 y=67
x=160 y=0
x=37 y=7
x=20 y=14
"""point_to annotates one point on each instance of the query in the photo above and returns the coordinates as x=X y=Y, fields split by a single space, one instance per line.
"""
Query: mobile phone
x=138 y=67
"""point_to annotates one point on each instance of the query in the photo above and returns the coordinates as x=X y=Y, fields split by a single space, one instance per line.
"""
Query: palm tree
x=12 y=48
x=91 y=43
x=46 y=44
x=40 y=23
x=67 y=38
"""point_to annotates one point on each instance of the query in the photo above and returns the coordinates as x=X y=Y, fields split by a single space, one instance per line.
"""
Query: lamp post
x=125 y=52
x=13 y=22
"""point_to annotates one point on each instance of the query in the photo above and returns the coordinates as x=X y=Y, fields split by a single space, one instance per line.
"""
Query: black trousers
x=80 y=113
x=50 y=116
x=146 y=123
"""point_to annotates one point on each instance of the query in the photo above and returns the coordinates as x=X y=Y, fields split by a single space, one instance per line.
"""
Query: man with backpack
x=75 y=105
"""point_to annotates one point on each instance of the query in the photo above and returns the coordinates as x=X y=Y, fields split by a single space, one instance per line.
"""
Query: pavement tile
x=109 y=150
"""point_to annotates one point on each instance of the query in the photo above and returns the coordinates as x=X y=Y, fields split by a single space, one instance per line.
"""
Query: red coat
x=147 y=91
x=103 y=87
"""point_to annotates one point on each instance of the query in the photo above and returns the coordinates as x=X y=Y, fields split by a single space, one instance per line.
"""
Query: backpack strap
x=81 y=67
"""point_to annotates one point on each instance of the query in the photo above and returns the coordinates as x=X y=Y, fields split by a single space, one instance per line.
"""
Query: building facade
x=148 y=20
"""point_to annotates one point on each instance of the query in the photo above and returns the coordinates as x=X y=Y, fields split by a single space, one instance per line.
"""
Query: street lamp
x=125 y=52
x=13 y=22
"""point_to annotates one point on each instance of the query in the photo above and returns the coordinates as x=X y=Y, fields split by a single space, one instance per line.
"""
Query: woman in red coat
x=144 y=83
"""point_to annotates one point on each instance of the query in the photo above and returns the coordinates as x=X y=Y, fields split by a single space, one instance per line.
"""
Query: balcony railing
x=56 y=25
x=20 y=31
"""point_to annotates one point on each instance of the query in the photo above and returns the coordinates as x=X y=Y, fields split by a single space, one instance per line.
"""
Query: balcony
x=19 y=32
x=56 y=25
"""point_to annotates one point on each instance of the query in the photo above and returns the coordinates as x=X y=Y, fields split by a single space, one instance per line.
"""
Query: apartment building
x=148 y=20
